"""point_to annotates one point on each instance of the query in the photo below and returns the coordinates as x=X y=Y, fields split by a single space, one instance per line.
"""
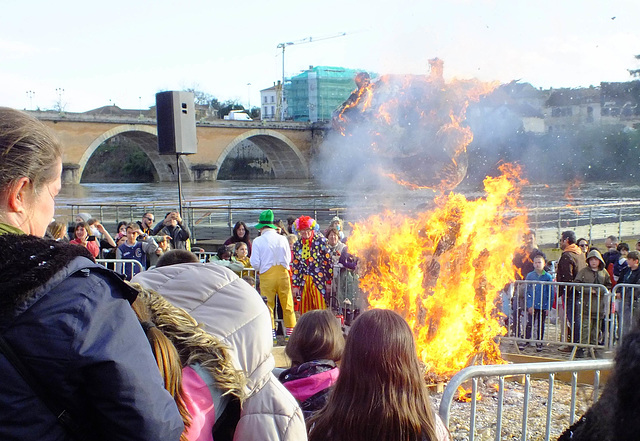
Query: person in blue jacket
x=67 y=320
x=538 y=301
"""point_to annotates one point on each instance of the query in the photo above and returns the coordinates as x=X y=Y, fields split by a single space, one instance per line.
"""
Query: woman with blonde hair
x=196 y=367
x=380 y=392
x=57 y=231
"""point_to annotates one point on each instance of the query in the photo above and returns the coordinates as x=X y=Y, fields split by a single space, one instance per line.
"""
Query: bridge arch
x=146 y=137
x=284 y=156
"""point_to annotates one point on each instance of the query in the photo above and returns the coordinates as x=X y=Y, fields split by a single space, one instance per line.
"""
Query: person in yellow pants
x=271 y=256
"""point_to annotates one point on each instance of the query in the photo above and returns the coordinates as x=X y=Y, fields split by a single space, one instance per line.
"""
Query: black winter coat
x=70 y=322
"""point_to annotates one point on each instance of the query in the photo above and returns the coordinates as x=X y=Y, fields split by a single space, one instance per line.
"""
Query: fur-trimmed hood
x=30 y=266
x=29 y=262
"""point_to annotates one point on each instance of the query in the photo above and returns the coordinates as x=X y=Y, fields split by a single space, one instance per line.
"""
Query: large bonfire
x=443 y=269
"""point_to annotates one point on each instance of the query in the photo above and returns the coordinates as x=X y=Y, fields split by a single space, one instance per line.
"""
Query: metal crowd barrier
x=207 y=256
x=345 y=289
x=204 y=256
x=526 y=369
x=583 y=319
x=625 y=306
x=120 y=265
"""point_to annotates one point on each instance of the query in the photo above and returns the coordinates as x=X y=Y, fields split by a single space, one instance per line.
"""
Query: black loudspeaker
x=176 y=115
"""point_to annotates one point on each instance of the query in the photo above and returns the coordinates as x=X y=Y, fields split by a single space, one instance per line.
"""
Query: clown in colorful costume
x=312 y=265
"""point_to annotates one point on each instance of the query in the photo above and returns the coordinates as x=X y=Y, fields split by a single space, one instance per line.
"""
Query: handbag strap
x=62 y=415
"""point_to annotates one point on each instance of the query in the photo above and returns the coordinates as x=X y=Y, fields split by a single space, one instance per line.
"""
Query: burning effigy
x=441 y=269
x=410 y=127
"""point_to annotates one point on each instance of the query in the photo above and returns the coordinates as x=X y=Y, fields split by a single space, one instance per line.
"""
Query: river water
x=302 y=193
x=221 y=203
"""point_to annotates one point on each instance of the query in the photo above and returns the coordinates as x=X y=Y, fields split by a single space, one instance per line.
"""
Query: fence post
x=230 y=217
x=559 y=223
x=590 y=225
x=620 y=223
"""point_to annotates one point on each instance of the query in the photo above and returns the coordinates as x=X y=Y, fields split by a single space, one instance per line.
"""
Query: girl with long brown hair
x=380 y=392
x=314 y=348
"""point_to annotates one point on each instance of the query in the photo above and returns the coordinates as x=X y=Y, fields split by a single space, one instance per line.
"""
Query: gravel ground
x=487 y=406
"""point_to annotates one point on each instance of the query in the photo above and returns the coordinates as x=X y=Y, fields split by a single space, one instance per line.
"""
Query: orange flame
x=442 y=270
x=464 y=395
x=568 y=194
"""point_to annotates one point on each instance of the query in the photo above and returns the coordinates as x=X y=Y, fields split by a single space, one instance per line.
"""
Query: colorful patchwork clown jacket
x=312 y=258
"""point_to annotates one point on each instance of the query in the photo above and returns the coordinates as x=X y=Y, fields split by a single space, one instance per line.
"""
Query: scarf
x=9 y=229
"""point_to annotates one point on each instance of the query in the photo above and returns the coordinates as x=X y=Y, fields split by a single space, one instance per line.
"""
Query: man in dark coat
x=523 y=262
x=570 y=263
x=173 y=227
x=631 y=300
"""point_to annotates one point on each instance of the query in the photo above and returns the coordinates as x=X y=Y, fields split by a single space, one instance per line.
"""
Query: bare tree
x=635 y=72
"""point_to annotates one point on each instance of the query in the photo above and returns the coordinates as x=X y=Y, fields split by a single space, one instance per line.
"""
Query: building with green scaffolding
x=314 y=94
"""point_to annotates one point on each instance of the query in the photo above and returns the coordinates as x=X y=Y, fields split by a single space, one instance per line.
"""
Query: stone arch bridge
x=288 y=146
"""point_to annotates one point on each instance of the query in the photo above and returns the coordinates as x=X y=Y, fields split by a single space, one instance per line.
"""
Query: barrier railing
x=207 y=256
x=204 y=256
x=583 y=315
x=527 y=369
x=122 y=266
x=345 y=290
x=626 y=299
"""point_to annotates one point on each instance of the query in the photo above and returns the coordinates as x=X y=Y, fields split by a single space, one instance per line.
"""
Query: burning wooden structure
x=442 y=269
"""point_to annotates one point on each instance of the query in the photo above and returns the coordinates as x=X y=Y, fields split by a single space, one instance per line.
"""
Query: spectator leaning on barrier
x=523 y=262
x=83 y=238
x=538 y=300
x=134 y=249
x=593 y=302
x=146 y=223
x=570 y=263
x=631 y=299
x=618 y=268
x=173 y=227
x=611 y=256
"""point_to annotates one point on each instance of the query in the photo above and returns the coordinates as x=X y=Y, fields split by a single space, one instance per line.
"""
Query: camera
x=91 y=238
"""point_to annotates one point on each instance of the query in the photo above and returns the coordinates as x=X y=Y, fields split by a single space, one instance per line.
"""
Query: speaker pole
x=179 y=184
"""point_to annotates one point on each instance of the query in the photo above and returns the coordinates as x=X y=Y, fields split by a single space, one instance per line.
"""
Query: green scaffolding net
x=314 y=94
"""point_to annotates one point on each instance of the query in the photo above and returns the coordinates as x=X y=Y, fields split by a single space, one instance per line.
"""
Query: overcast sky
x=123 y=52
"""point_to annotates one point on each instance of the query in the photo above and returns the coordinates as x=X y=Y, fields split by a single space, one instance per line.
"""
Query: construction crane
x=291 y=43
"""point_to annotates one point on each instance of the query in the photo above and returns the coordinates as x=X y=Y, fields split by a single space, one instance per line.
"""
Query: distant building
x=620 y=103
x=314 y=94
x=512 y=106
x=115 y=111
x=566 y=109
x=270 y=103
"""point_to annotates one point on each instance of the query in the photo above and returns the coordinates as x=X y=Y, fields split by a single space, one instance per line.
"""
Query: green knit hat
x=266 y=220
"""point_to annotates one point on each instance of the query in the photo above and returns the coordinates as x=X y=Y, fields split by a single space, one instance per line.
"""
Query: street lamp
x=283 y=46
x=60 y=92
x=249 y=97
x=30 y=94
